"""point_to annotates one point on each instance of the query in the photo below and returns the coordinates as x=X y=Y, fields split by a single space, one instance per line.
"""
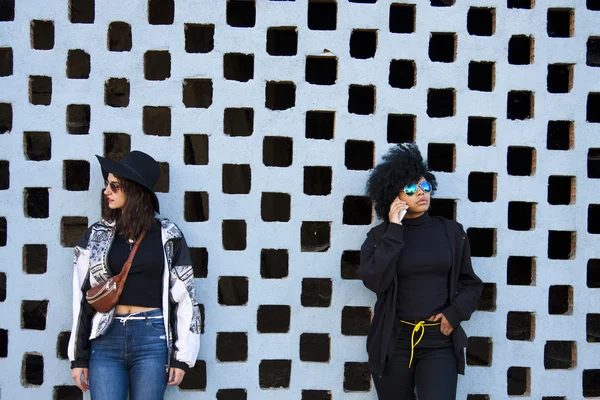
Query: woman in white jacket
x=152 y=336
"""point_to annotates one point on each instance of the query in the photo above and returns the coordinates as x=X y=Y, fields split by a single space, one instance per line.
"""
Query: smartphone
x=401 y=215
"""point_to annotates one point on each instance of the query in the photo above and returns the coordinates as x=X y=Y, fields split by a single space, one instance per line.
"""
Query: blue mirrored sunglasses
x=413 y=187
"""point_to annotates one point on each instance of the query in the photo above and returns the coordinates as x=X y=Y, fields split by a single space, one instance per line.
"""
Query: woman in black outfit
x=420 y=268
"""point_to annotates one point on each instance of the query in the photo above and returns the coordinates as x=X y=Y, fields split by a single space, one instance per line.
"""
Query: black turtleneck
x=423 y=268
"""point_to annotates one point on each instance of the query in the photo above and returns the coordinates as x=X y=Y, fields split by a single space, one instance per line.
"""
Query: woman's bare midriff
x=124 y=309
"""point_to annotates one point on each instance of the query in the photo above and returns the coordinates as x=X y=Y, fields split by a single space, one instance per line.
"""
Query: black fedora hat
x=136 y=166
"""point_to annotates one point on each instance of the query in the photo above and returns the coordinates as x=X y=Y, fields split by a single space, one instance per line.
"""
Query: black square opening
x=441 y=103
x=40 y=90
x=445 y=208
x=234 y=234
x=233 y=290
x=349 y=264
x=593 y=220
x=593 y=108
x=195 y=149
x=241 y=13
x=314 y=347
x=274 y=263
x=322 y=15
x=199 y=256
x=35 y=258
x=560 y=135
x=363 y=44
x=441 y=156
x=195 y=378
x=521 y=216
x=308 y=394
x=195 y=206
x=273 y=318
x=518 y=381
x=482 y=186
x=482 y=76
x=593 y=5
x=321 y=70
x=232 y=346
x=238 y=121
x=3 y=237
x=559 y=354
x=592 y=57
x=316 y=292
x=275 y=207
x=593 y=273
x=592 y=328
x=3 y=341
x=78 y=64
x=161 y=12
x=76 y=175
x=519 y=105
x=282 y=41
x=481 y=21
x=403 y=74
x=232 y=394
x=278 y=151
x=591 y=382
x=37 y=146
x=442 y=47
x=320 y=125
x=317 y=180
x=6 y=117
x=6 y=61
x=7 y=10
x=593 y=163
x=37 y=202
x=526 y=4
x=62 y=345
x=478 y=397
x=81 y=11
x=280 y=95
x=197 y=93
x=42 y=34
x=116 y=145
x=357 y=377
x=78 y=119
x=560 y=300
x=157 y=121
x=520 y=271
x=441 y=3
x=560 y=78
x=520 y=161
x=402 y=18
x=356 y=321
x=71 y=229
x=236 y=178
x=34 y=314
x=479 y=351
x=561 y=245
x=520 y=325
x=357 y=210
x=273 y=374
x=4 y=175
x=520 y=50
x=199 y=38
x=481 y=131
x=162 y=186
x=401 y=128
x=119 y=36
x=157 y=65
x=561 y=190
x=483 y=241
x=560 y=22
x=32 y=371
x=359 y=155
x=315 y=236
x=116 y=92
x=361 y=99
x=238 y=67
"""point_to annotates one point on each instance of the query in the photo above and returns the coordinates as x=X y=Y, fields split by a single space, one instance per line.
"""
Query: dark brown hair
x=138 y=212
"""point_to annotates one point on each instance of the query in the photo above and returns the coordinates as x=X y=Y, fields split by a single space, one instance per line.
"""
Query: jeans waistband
x=147 y=314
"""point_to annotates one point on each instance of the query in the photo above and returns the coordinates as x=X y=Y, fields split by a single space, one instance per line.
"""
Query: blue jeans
x=130 y=358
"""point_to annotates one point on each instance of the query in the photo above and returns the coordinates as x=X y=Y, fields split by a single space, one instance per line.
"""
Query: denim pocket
x=156 y=324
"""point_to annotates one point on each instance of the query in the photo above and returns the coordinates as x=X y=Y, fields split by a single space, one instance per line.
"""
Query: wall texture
x=266 y=118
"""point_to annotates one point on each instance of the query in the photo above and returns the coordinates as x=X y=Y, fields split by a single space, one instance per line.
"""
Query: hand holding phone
x=398 y=210
x=401 y=215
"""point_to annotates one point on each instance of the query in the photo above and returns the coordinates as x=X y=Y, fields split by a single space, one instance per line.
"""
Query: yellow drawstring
x=418 y=326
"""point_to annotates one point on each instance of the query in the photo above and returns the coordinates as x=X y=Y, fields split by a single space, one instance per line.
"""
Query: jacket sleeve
x=468 y=289
x=79 y=342
x=378 y=260
x=185 y=311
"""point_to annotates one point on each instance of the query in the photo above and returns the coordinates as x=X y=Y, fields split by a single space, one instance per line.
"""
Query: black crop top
x=143 y=287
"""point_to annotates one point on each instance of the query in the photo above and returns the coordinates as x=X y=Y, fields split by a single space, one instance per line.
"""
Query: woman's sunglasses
x=114 y=186
x=413 y=187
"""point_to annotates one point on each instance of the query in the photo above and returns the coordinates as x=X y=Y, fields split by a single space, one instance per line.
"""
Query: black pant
x=433 y=370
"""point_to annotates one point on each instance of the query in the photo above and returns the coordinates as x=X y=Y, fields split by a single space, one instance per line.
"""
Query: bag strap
x=127 y=265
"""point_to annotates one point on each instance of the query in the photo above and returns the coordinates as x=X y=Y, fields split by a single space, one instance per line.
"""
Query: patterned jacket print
x=180 y=309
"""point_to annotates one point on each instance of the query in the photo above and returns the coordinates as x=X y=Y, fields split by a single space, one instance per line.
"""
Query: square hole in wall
x=78 y=64
x=233 y=290
x=561 y=245
x=357 y=210
x=317 y=180
x=442 y=47
x=519 y=105
x=320 y=125
x=520 y=325
x=157 y=121
x=560 y=135
x=195 y=378
x=42 y=34
x=401 y=128
x=34 y=314
x=234 y=234
x=78 y=119
x=308 y=394
x=593 y=163
x=199 y=38
x=32 y=369
x=119 y=36
x=359 y=155
x=37 y=146
x=593 y=5
x=62 y=344
x=3 y=232
x=6 y=116
x=315 y=236
x=402 y=18
x=521 y=215
x=236 y=178
x=282 y=41
x=349 y=264
x=479 y=351
x=157 y=65
x=278 y=151
x=274 y=263
x=7 y=10
x=232 y=346
x=71 y=229
x=560 y=300
x=321 y=70
x=403 y=74
x=357 y=377
x=520 y=50
x=195 y=206
x=275 y=207
x=483 y=241
x=195 y=149
x=482 y=76
x=67 y=393
x=520 y=271
x=591 y=382
x=561 y=190
x=76 y=175
x=116 y=92
x=441 y=103
x=40 y=90
x=314 y=347
x=35 y=258
x=560 y=78
x=526 y=4
x=478 y=397
x=322 y=15
x=481 y=131
x=241 y=13
x=560 y=22
x=316 y=292
x=116 y=145
x=593 y=273
x=273 y=318
x=518 y=381
x=199 y=256
x=238 y=67
x=592 y=328
x=3 y=343
x=361 y=99
x=238 y=121
x=37 y=202
x=274 y=374
x=441 y=156
x=6 y=61
x=593 y=108
x=161 y=12
x=356 y=321
x=559 y=354
x=441 y=3
x=4 y=175
x=197 y=93
x=82 y=11
x=520 y=161
x=482 y=186
x=2 y=288
x=592 y=57
x=280 y=95
x=445 y=208
x=363 y=43
x=481 y=21
x=232 y=394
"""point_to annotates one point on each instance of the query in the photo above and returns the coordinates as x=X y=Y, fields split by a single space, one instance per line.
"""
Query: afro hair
x=401 y=166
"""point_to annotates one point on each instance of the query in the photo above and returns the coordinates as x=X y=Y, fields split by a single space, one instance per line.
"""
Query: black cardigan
x=378 y=262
